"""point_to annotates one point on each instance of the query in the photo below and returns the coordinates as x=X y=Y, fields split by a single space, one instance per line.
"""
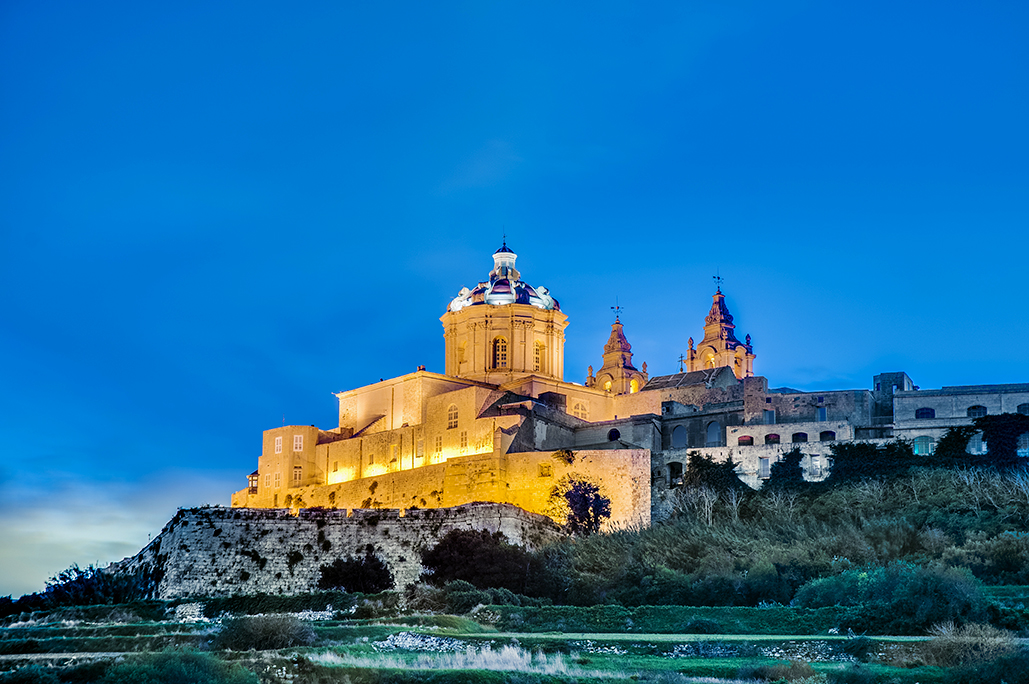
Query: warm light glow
x=375 y=469
x=342 y=475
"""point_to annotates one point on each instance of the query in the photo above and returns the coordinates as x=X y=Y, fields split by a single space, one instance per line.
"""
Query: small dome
x=505 y=286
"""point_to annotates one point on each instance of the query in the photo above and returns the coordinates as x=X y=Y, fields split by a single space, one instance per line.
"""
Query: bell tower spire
x=720 y=346
x=618 y=375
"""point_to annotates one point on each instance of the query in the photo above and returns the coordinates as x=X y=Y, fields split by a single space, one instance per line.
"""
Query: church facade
x=502 y=425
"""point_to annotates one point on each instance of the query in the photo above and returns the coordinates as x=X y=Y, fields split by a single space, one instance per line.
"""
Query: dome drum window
x=500 y=353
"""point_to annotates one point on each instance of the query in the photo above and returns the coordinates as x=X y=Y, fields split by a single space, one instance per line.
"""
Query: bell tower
x=618 y=375
x=720 y=346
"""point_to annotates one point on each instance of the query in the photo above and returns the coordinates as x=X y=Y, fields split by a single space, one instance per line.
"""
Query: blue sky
x=214 y=215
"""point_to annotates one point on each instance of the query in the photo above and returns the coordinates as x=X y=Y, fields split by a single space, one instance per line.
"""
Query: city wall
x=229 y=551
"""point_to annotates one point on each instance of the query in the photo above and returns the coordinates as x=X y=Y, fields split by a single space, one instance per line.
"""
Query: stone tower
x=720 y=346
x=618 y=375
x=504 y=329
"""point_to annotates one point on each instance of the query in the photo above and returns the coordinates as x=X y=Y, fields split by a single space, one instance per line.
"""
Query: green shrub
x=478 y=557
x=366 y=574
x=31 y=674
x=1012 y=668
x=899 y=598
x=266 y=603
x=854 y=674
x=789 y=671
x=263 y=632
x=177 y=667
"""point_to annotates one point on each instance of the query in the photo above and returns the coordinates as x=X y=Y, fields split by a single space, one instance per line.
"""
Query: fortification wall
x=227 y=551
x=522 y=479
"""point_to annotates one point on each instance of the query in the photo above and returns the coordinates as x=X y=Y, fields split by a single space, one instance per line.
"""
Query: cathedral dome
x=504 y=286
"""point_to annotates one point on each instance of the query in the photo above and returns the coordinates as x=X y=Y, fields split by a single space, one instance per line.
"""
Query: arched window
x=714 y=434
x=1023 y=445
x=976 y=411
x=826 y=436
x=1023 y=409
x=679 y=437
x=772 y=439
x=537 y=357
x=452 y=417
x=799 y=437
x=607 y=385
x=925 y=413
x=976 y=445
x=745 y=440
x=500 y=352
x=613 y=435
x=579 y=411
x=634 y=386
x=923 y=446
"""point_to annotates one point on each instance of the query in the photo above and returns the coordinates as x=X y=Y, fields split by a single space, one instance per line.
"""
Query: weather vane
x=617 y=309
x=718 y=281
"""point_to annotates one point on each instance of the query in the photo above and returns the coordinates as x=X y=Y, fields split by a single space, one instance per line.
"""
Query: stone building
x=502 y=424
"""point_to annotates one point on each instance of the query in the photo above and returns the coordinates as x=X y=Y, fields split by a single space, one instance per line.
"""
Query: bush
x=366 y=574
x=791 y=671
x=482 y=559
x=264 y=632
x=899 y=598
x=177 y=667
x=1012 y=668
x=31 y=674
x=266 y=603
x=970 y=644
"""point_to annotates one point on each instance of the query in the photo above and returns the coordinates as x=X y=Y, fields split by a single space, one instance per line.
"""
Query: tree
x=367 y=574
x=786 y=473
x=579 y=503
x=1001 y=432
x=856 y=461
x=479 y=557
x=703 y=471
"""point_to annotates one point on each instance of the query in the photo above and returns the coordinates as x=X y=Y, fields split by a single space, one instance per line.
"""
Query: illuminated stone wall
x=222 y=552
x=522 y=479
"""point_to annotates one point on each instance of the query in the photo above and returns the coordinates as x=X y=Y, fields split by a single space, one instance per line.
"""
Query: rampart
x=228 y=551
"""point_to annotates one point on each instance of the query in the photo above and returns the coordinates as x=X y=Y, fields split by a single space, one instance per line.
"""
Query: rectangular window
x=278 y=480
x=770 y=417
x=298 y=442
x=763 y=468
x=298 y=474
x=421 y=448
x=821 y=413
x=267 y=480
x=464 y=439
x=278 y=444
x=439 y=446
x=392 y=453
x=335 y=466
